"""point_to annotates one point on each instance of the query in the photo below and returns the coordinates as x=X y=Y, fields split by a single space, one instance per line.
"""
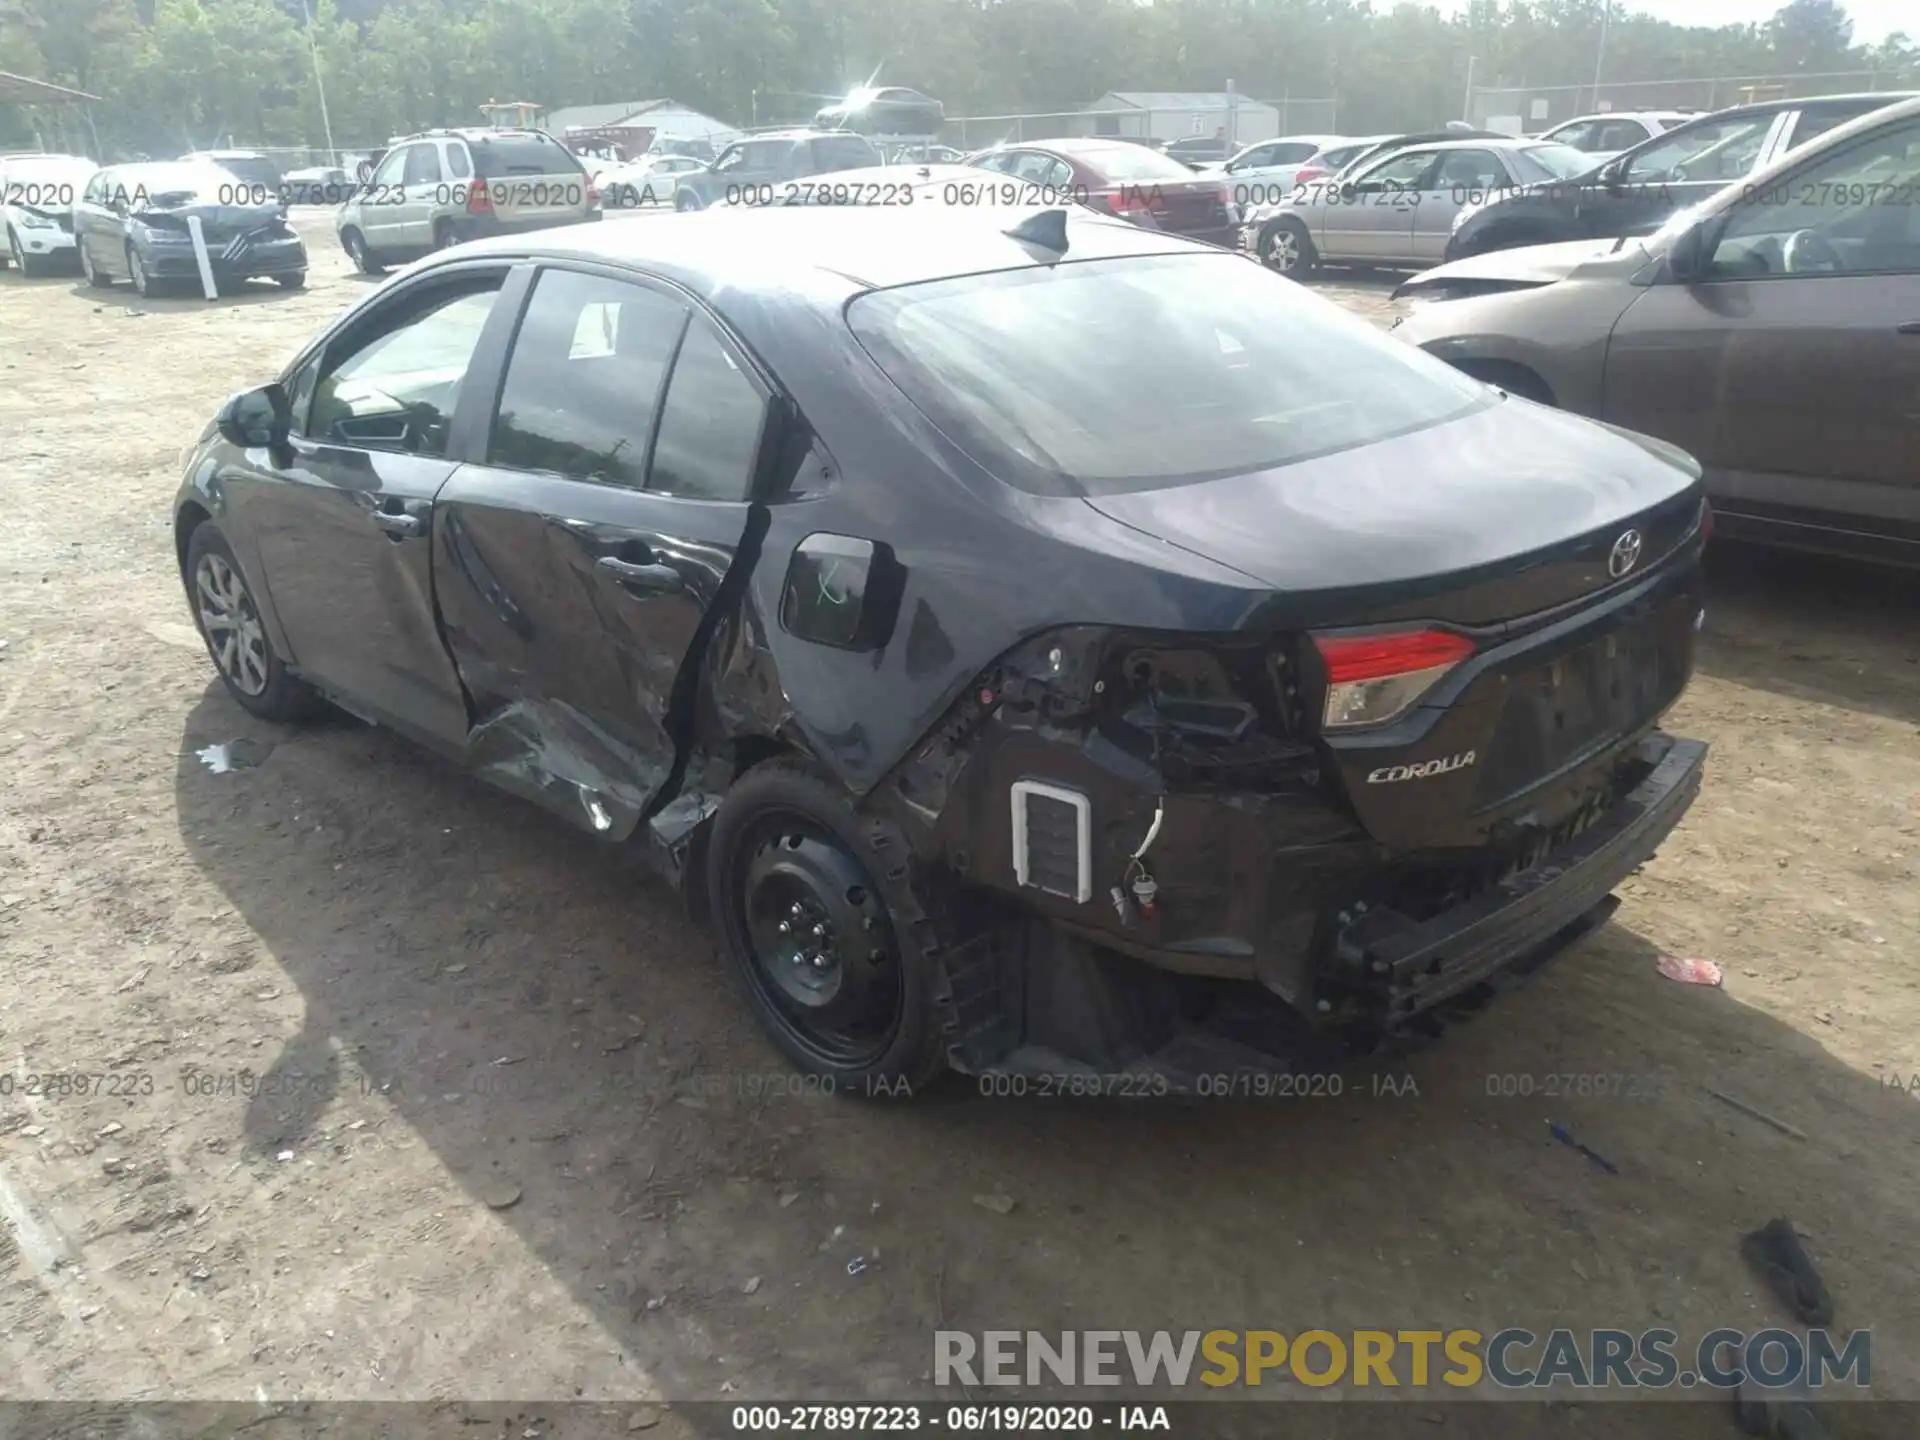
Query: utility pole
x=1600 y=60
x=319 y=85
x=1466 y=110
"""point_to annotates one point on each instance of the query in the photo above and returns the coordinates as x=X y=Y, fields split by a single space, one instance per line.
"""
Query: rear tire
x=295 y=281
x=362 y=254
x=230 y=623
x=1286 y=248
x=854 y=993
x=444 y=234
x=686 y=203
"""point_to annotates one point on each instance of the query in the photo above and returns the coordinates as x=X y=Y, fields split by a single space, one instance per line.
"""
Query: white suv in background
x=37 y=193
x=1608 y=134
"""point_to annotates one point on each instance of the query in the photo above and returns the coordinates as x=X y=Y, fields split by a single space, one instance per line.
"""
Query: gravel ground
x=511 y=1136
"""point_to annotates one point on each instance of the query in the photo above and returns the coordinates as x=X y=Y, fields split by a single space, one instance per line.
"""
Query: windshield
x=250 y=169
x=501 y=155
x=1717 y=150
x=1041 y=376
x=148 y=183
x=1553 y=162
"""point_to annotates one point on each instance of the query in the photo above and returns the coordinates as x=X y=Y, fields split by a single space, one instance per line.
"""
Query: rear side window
x=1811 y=123
x=711 y=423
x=843 y=152
x=457 y=163
x=498 y=156
x=1041 y=376
x=583 y=382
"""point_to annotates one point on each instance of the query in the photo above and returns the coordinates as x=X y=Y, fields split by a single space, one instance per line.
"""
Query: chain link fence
x=1234 y=125
x=1530 y=109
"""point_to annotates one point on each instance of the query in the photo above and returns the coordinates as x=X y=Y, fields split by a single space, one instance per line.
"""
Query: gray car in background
x=1773 y=332
x=1398 y=209
x=444 y=186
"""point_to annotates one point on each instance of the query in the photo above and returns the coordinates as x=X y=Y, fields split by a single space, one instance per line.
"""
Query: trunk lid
x=1508 y=511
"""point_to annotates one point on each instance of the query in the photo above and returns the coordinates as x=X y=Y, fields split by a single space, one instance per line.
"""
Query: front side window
x=583 y=382
x=711 y=423
x=1402 y=172
x=1041 y=377
x=1620 y=135
x=423 y=165
x=731 y=159
x=1718 y=150
x=1580 y=134
x=397 y=387
x=1851 y=213
x=391 y=168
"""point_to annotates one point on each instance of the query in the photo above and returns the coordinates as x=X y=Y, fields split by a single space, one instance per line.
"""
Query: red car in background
x=1131 y=181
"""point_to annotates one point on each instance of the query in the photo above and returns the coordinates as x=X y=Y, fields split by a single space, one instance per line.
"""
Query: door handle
x=1912 y=327
x=655 y=579
x=398 y=526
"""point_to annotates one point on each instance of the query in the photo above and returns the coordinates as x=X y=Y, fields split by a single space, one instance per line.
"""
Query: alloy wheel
x=824 y=955
x=1283 y=250
x=231 y=624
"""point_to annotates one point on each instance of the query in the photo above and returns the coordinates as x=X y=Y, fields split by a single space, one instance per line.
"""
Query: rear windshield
x=1130 y=374
x=844 y=152
x=497 y=156
x=1132 y=162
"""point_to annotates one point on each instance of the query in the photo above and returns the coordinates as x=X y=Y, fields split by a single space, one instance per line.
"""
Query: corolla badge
x=1624 y=555
x=1392 y=774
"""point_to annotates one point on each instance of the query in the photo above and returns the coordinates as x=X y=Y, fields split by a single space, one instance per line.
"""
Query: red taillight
x=1309 y=172
x=1125 y=201
x=1372 y=679
x=479 y=202
x=1370 y=657
x=593 y=194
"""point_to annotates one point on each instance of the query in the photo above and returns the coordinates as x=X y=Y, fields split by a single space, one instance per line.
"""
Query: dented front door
x=575 y=567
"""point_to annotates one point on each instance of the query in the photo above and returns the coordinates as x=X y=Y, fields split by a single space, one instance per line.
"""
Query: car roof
x=785 y=248
x=801 y=132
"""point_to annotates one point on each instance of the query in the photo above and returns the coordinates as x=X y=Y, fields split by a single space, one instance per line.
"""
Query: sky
x=1873 y=20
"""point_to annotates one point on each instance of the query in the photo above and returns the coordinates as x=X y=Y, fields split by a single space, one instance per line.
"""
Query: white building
x=642 y=121
x=1182 y=115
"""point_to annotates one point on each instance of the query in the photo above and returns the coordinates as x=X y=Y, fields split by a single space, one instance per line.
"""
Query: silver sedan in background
x=1398 y=210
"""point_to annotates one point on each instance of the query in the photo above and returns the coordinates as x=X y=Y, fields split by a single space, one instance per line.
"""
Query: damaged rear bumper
x=1412 y=967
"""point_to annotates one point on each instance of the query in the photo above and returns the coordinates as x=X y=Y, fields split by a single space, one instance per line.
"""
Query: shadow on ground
x=541 y=1017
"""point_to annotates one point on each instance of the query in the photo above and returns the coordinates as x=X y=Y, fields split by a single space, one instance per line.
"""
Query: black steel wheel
x=824 y=932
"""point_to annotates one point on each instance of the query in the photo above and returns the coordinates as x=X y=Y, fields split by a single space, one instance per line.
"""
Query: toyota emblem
x=1625 y=554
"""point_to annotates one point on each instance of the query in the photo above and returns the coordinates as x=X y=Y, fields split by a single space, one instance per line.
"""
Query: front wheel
x=361 y=253
x=295 y=281
x=229 y=621
x=144 y=284
x=823 y=930
x=685 y=202
x=92 y=272
x=1286 y=247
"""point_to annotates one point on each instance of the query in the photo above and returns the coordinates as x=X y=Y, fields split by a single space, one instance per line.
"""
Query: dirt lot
x=510 y=1137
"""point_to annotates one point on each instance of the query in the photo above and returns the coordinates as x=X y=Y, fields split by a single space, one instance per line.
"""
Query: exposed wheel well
x=1511 y=376
x=190 y=519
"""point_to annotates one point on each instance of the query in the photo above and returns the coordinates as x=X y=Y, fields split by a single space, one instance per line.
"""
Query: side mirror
x=1687 y=256
x=1348 y=190
x=256 y=418
x=1612 y=173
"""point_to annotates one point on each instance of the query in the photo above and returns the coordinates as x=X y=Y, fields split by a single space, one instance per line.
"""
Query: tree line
x=181 y=74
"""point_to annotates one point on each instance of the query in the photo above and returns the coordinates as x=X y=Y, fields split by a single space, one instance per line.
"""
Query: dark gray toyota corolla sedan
x=1037 y=644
